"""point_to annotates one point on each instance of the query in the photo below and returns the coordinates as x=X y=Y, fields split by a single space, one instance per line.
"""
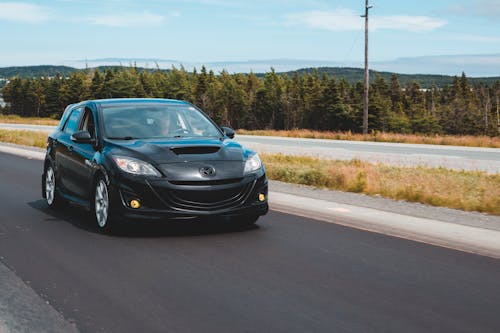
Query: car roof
x=132 y=101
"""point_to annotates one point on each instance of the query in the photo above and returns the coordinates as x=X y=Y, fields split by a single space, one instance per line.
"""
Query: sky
x=56 y=32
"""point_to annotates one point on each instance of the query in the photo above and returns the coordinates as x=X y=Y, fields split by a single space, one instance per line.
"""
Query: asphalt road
x=453 y=157
x=27 y=127
x=290 y=274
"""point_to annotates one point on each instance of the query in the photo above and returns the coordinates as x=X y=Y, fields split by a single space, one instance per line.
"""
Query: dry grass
x=26 y=138
x=15 y=119
x=466 y=190
x=452 y=140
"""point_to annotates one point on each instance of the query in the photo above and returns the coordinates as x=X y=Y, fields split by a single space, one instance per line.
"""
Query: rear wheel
x=51 y=195
x=101 y=205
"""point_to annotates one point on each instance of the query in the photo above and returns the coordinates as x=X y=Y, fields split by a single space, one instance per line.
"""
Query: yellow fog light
x=135 y=204
x=262 y=197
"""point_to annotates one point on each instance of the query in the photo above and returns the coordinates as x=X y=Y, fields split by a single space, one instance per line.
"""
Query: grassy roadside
x=466 y=190
x=25 y=138
x=15 y=119
x=452 y=140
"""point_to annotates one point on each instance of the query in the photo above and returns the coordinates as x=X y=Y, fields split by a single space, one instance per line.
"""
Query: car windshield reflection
x=150 y=122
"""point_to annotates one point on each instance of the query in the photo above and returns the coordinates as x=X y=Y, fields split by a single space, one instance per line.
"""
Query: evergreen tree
x=97 y=86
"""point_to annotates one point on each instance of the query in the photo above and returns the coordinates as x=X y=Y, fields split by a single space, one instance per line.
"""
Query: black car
x=151 y=159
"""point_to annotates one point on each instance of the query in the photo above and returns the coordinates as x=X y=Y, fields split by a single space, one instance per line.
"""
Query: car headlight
x=135 y=166
x=253 y=163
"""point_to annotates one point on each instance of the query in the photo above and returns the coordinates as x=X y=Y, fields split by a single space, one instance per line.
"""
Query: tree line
x=426 y=81
x=275 y=101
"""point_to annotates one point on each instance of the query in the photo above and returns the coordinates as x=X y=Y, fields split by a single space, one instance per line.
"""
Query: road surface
x=401 y=154
x=453 y=157
x=290 y=274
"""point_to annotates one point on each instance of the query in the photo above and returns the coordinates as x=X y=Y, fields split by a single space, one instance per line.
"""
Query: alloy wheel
x=50 y=185
x=101 y=203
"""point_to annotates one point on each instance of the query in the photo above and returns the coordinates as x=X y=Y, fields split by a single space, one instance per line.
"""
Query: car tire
x=52 y=197
x=101 y=205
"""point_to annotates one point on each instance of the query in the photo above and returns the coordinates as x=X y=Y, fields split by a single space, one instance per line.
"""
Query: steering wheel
x=180 y=131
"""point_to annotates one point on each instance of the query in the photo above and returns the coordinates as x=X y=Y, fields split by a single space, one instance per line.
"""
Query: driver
x=161 y=124
x=166 y=125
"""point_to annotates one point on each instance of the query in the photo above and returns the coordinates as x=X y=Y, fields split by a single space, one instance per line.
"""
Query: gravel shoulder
x=473 y=219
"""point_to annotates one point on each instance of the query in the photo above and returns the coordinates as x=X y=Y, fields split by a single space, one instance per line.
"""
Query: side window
x=88 y=122
x=64 y=118
x=72 y=123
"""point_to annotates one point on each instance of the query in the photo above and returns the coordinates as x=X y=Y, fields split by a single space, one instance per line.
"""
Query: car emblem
x=207 y=171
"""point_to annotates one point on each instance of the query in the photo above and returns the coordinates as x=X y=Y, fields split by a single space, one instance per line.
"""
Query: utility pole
x=367 y=77
x=498 y=113
x=487 y=107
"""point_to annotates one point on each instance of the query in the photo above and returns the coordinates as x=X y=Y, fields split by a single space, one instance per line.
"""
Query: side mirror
x=82 y=137
x=229 y=132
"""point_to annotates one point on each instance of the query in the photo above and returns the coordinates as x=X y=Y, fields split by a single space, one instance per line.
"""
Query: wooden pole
x=367 y=77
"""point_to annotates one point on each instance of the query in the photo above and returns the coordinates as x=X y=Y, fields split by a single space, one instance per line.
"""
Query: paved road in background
x=453 y=157
x=291 y=274
x=27 y=127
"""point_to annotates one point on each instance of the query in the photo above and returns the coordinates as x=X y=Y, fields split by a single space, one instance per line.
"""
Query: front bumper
x=160 y=198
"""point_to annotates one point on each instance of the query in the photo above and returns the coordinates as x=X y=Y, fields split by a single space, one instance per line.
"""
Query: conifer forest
x=275 y=101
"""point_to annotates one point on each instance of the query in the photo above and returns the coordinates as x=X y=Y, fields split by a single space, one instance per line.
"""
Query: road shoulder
x=472 y=219
x=22 y=310
x=465 y=231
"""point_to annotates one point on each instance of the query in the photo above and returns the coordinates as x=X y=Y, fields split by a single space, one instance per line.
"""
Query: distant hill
x=29 y=72
x=352 y=75
x=475 y=65
x=35 y=71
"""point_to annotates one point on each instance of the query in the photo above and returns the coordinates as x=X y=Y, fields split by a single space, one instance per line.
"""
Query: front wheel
x=101 y=205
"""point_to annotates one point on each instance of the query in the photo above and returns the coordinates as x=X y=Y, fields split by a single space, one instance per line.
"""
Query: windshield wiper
x=122 y=138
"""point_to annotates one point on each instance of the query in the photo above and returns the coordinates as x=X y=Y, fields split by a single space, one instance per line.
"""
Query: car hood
x=181 y=149
x=182 y=158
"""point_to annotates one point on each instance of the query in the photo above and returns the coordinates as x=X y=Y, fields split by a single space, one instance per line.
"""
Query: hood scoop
x=191 y=150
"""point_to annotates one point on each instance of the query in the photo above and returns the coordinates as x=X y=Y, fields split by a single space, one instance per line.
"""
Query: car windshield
x=156 y=121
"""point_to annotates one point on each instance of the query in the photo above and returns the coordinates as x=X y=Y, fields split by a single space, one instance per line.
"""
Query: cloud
x=406 y=22
x=129 y=19
x=475 y=38
x=23 y=12
x=337 y=20
x=346 y=19
x=489 y=9
x=253 y=3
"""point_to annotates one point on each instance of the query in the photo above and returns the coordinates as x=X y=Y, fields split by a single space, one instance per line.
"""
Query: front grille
x=205 y=200
x=195 y=150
